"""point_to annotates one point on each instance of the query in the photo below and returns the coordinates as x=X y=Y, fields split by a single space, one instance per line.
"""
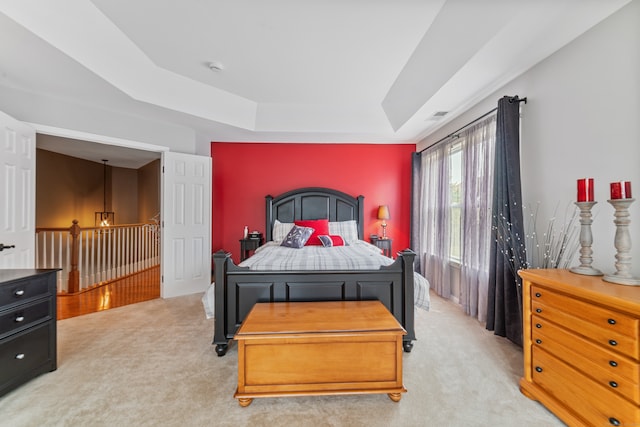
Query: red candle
x=621 y=190
x=585 y=190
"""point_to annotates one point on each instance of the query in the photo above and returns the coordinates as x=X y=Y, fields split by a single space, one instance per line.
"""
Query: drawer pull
x=538 y=294
x=19 y=292
x=538 y=341
x=613 y=384
x=613 y=342
x=538 y=369
x=19 y=319
x=614 y=422
x=538 y=325
x=612 y=321
x=20 y=356
x=613 y=363
x=538 y=310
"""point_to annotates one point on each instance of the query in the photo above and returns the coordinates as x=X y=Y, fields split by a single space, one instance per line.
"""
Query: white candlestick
x=586 y=240
x=623 y=244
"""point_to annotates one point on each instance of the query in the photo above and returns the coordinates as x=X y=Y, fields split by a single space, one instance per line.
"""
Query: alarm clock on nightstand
x=256 y=235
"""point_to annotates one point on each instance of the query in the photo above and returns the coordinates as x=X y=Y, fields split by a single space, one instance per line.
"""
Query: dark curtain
x=415 y=206
x=504 y=310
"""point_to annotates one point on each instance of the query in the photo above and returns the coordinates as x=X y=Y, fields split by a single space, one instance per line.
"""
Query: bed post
x=268 y=229
x=408 y=298
x=361 y=217
x=220 y=260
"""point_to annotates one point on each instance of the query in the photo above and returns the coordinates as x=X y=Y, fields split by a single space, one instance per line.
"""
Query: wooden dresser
x=27 y=325
x=582 y=347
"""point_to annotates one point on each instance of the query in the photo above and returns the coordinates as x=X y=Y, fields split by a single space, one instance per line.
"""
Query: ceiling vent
x=437 y=116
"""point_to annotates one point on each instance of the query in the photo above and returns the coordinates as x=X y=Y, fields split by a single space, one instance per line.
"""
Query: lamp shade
x=383 y=212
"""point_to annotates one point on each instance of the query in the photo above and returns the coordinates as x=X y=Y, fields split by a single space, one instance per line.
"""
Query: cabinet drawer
x=24 y=316
x=586 y=398
x=602 y=317
x=614 y=372
x=614 y=335
x=24 y=352
x=21 y=291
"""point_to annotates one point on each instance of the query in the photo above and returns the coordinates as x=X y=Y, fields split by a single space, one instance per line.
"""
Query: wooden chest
x=582 y=347
x=27 y=325
x=319 y=348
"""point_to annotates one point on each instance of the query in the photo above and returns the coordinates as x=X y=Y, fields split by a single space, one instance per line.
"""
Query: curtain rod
x=455 y=132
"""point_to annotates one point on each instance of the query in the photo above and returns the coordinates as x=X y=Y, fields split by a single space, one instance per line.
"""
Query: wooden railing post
x=74 y=274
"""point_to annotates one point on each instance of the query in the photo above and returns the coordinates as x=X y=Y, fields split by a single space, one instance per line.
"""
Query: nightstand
x=384 y=244
x=247 y=246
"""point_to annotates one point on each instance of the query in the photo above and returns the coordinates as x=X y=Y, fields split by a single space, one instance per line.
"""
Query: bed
x=237 y=288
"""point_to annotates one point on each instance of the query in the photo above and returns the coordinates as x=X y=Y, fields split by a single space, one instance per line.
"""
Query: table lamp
x=383 y=214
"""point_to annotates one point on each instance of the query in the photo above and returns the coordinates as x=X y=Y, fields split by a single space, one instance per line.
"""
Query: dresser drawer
x=610 y=320
x=613 y=330
x=23 y=316
x=586 y=398
x=25 y=352
x=613 y=371
x=20 y=291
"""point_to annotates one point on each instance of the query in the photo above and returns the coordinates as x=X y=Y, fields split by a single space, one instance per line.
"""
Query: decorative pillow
x=347 y=229
x=328 y=241
x=280 y=230
x=321 y=226
x=297 y=237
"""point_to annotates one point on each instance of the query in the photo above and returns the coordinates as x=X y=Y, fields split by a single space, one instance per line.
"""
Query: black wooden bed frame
x=237 y=289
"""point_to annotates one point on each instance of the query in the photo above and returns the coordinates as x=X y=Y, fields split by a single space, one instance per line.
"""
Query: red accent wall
x=244 y=173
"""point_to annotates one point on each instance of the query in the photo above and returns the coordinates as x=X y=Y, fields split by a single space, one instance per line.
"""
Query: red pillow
x=320 y=226
x=328 y=241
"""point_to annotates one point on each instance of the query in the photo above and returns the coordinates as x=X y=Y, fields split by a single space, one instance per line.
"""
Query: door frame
x=106 y=140
x=99 y=139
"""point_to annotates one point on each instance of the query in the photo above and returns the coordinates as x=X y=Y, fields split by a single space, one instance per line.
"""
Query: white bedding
x=359 y=255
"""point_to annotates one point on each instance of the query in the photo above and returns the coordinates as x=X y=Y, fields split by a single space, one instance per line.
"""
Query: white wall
x=582 y=119
x=58 y=113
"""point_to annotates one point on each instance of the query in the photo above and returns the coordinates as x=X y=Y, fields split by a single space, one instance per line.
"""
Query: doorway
x=185 y=198
x=71 y=187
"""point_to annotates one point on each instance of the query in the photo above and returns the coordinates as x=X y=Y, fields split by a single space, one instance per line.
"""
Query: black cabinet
x=249 y=245
x=27 y=325
x=384 y=244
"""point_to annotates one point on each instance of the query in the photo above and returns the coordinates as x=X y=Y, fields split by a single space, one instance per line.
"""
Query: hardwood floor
x=142 y=286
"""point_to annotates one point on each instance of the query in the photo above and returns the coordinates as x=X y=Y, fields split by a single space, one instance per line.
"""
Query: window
x=456 y=199
x=453 y=222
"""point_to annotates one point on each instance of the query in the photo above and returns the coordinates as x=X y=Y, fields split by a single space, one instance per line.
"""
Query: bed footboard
x=237 y=289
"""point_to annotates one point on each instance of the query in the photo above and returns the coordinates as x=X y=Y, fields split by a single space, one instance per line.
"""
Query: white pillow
x=280 y=230
x=347 y=229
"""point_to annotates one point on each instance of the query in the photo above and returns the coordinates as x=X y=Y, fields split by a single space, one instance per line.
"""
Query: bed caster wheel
x=221 y=349
x=407 y=345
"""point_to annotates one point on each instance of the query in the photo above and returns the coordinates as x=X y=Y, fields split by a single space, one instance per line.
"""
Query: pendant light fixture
x=105 y=218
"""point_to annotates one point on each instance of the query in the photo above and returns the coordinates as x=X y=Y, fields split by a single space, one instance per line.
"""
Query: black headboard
x=314 y=203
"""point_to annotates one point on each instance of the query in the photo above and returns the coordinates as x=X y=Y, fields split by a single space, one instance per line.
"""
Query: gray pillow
x=297 y=237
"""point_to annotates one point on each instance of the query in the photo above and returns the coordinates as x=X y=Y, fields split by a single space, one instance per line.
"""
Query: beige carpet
x=152 y=364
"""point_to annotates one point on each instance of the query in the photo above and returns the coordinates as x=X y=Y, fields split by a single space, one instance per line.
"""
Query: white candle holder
x=586 y=240
x=623 y=244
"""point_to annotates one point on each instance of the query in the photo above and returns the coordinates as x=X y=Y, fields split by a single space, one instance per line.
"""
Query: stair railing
x=92 y=256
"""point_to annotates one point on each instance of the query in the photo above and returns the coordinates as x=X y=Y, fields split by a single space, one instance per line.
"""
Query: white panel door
x=186 y=219
x=17 y=193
